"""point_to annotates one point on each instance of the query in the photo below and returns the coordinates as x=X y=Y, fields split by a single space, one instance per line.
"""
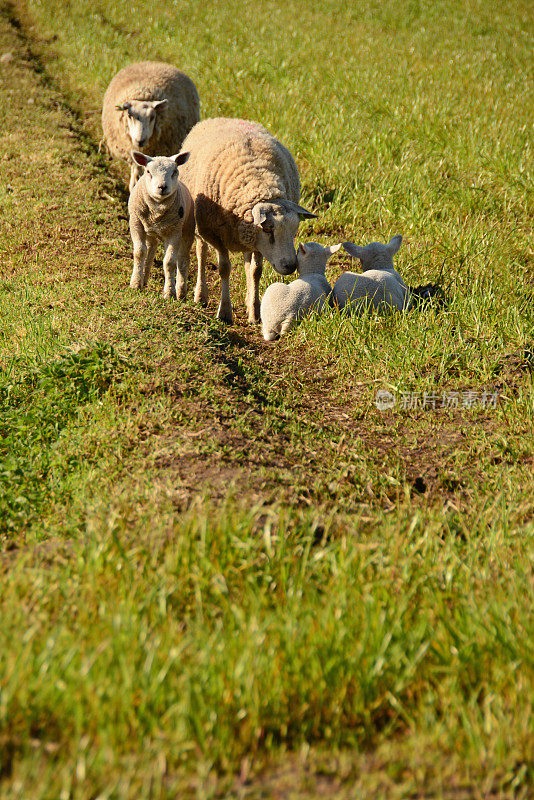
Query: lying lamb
x=161 y=209
x=379 y=286
x=283 y=304
x=149 y=106
x=245 y=186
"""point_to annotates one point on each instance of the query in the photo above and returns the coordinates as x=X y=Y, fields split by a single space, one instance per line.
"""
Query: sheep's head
x=141 y=116
x=375 y=255
x=312 y=257
x=276 y=227
x=161 y=173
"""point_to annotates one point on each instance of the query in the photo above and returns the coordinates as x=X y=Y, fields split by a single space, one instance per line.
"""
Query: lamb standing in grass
x=245 y=186
x=149 y=106
x=283 y=304
x=161 y=209
x=379 y=286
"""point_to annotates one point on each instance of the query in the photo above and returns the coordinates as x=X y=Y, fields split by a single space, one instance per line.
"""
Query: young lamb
x=245 y=186
x=379 y=286
x=149 y=106
x=161 y=209
x=283 y=304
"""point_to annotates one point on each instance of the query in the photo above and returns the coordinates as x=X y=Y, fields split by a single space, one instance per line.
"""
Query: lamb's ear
x=124 y=106
x=395 y=244
x=140 y=158
x=181 y=158
x=303 y=214
x=353 y=249
x=333 y=248
x=302 y=248
x=159 y=103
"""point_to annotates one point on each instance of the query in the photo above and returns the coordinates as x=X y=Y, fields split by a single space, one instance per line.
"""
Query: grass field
x=224 y=572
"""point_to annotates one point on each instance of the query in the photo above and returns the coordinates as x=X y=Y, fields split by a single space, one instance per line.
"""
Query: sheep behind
x=149 y=106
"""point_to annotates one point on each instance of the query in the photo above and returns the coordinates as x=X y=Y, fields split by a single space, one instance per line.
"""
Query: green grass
x=224 y=572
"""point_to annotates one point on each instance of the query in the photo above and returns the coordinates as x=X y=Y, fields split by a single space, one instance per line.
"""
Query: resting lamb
x=285 y=303
x=379 y=286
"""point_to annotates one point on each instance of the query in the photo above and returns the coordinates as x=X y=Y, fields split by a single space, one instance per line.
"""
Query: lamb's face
x=277 y=225
x=161 y=174
x=141 y=119
x=161 y=177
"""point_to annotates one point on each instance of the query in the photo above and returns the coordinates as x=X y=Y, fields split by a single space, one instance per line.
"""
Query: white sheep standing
x=245 y=186
x=285 y=303
x=149 y=106
x=161 y=209
x=379 y=286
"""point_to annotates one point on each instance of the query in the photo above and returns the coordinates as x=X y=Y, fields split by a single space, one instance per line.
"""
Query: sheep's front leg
x=140 y=252
x=253 y=269
x=201 y=289
x=225 y=306
x=149 y=261
x=170 y=262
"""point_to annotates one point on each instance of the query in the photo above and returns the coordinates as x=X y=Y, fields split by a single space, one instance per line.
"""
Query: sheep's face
x=312 y=257
x=161 y=173
x=141 y=118
x=375 y=255
x=277 y=224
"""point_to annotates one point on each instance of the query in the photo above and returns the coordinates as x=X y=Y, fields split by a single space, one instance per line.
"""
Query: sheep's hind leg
x=253 y=269
x=201 y=289
x=184 y=249
x=224 y=312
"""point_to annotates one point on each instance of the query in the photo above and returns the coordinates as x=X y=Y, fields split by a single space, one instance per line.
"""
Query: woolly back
x=237 y=163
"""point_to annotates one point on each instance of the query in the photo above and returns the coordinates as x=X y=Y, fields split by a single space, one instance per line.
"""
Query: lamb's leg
x=225 y=306
x=140 y=252
x=170 y=262
x=184 y=249
x=149 y=261
x=253 y=269
x=201 y=289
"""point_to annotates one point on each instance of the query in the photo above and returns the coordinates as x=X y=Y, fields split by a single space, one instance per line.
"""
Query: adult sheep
x=150 y=107
x=245 y=186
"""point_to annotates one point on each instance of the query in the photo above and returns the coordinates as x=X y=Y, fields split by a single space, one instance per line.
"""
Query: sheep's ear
x=353 y=249
x=395 y=244
x=302 y=249
x=181 y=158
x=261 y=218
x=333 y=249
x=303 y=214
x=159 y=103
x=124 y=106
x=140 y=158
